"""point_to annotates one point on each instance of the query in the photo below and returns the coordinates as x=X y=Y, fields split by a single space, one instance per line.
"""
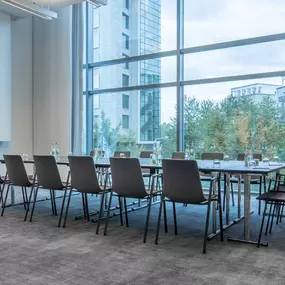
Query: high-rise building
x=134 y=29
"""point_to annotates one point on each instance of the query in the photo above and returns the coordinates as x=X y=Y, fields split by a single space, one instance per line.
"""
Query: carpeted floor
x=41 y=253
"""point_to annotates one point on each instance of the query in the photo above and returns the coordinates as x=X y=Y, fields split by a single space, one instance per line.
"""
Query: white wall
x=22 y=89
x=52 y=83
x=5 y=79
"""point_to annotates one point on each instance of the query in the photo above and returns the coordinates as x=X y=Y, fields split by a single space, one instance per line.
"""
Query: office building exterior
x=135 y=29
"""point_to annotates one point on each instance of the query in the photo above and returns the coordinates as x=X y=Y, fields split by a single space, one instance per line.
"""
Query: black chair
x=275 y=197
x=48 y=178
x=178 y=155
x=216 y=156
x=17 y=175
x=84 y=180
x=127 y=182
x=182 y=184
x=255 y=179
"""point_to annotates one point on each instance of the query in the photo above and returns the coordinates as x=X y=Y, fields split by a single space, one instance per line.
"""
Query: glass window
x=126 y=64
x=96 y=101
x=125 y=121
x=96 y=78
x=125 y=80
x=126 y=21
x=156 y=119
x=96 y=18
x=125 y=101
x=151 y=27
x=235 y=61
x=208 y=22
x=127 y=4
x=96 y=38
x=217 y=120
x=126 y=41
x=151 y=71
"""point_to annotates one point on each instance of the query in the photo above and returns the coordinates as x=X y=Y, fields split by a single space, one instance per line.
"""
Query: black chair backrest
x=125 y=153
x=83 y=174
x=16 y=170
x=256 y=155
x=127 y=179
x=178 y=155
x=146 y=154
x=213 y=155
x=181 y=181
x=47 y=172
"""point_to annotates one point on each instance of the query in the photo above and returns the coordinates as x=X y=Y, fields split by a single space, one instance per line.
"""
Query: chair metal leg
x=147 y=218
x=62 y=207
x=174 y=218
x=67 y=207
x=54 y=202
x=159 y=220
x=29 y=203
x=225 y=190
x=87 y=208
x=207 y=226
x=84 y=207
x=106 y=201
x=121 y=211
x=233 y=198
x=34 y=204
x=101 y=212
x=108 y=213
x=51 y=201
x=165 y=217
x=24 y=199
x=220 y=215
x=274 y=210
x=207 y=220
x=126 y=212
x=5 y=200
x=278 y=213
x=262 y=223
x=281 y=212
x=268 y=220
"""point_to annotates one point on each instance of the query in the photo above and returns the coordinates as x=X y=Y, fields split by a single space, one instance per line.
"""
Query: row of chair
x=181 y=184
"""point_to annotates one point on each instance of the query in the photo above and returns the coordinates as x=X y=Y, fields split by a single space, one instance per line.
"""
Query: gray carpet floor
x=41 y=253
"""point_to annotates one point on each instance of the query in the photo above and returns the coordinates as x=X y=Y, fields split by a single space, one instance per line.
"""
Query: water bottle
x=52 y=149
x=56 y=150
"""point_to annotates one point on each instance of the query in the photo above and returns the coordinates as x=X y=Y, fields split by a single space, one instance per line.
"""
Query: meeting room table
x=227 y=168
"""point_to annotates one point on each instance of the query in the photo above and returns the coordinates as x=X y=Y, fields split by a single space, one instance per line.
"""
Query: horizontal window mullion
x=236 y=43
x=233 y=78
x=133 y=58
x=132 y=88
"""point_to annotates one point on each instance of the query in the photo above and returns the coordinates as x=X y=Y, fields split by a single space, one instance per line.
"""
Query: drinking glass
x=265 y=161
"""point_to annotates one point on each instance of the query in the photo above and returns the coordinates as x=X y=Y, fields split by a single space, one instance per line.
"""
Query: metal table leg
x=239 y=197
x=214 y=209
x=228 y=191
x=247 y=214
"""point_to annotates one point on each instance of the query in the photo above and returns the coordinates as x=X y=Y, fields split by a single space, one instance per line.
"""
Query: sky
x=207 y=22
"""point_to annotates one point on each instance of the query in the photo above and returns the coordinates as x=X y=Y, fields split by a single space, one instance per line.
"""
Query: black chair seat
x=273 y=196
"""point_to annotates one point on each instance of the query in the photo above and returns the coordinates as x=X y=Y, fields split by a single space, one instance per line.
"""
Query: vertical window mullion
x=180 y=76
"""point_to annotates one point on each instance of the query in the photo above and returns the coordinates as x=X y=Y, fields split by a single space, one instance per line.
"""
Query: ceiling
x=53 y=4
x=12 y=11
